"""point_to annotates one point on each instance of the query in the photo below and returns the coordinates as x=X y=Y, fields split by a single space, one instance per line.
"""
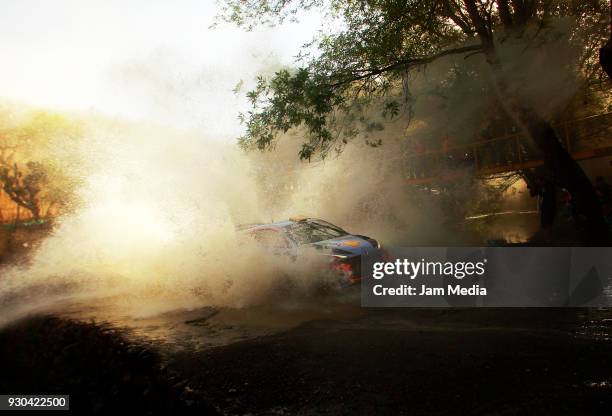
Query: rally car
x=290 y=237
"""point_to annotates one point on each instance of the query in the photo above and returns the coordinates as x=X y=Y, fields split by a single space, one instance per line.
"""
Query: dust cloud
x=156 y=228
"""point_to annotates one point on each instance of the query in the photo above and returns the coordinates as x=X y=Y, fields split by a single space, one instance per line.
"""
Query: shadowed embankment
x=387 y=362
x=94 y=364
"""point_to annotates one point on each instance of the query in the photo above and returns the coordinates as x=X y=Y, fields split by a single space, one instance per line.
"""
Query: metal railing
x=509 y=152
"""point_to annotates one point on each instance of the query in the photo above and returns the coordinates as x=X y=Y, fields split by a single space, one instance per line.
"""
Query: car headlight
x=374 y=242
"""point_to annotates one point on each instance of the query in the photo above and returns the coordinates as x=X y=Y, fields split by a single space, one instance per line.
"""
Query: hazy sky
x=138 y=59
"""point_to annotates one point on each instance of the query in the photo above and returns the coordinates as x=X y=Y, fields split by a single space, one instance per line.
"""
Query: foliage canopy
x=366 y=58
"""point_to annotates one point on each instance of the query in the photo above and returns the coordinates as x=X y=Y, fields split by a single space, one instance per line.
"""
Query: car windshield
x=313 y=231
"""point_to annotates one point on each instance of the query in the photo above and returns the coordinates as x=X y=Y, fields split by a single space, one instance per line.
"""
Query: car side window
x=270 y=239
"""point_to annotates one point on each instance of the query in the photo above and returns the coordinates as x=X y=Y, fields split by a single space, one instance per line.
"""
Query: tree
x=364 y=64
x=24 y=188
x=32 y=172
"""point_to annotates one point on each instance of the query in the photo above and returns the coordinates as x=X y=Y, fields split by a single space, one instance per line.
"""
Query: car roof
x=277 y=224
x=281 y=224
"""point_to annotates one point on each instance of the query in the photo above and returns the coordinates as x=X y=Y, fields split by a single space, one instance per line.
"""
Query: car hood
x=348 y=244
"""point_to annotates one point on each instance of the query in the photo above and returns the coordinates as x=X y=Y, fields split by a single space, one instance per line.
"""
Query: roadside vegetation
x=37 y=151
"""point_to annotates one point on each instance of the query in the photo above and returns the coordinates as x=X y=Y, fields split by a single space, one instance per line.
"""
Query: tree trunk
x=565 y=171
x=605 y=58
x=35 y=212
x=605 y=53
x=570 y=175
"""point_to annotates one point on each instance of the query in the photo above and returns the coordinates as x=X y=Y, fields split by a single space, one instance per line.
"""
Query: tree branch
x=408 y=62
x=479 y=22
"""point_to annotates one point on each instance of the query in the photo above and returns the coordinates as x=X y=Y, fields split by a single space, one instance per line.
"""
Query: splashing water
x=156 y=228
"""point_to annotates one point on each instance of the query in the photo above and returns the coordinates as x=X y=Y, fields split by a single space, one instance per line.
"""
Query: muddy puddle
x=192 y=329
x=195 y=329
x=510 y=227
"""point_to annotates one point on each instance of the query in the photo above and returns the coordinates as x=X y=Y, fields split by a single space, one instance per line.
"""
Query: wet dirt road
x=328 y=356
